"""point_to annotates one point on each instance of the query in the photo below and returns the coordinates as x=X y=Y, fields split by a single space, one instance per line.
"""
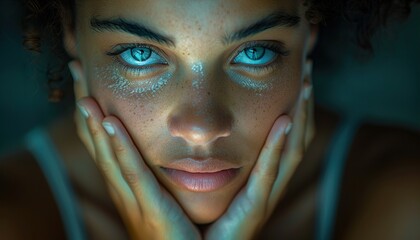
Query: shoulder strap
x=331 y=177
x=41 y=146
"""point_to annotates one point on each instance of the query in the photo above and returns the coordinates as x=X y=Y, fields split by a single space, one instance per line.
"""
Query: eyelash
x=276 y=47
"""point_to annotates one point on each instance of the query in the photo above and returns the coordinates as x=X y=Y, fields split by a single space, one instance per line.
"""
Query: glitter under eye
x=112 y=78
x=249 y=83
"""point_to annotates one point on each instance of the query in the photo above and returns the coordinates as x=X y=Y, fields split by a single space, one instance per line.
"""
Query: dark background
x=383 y=88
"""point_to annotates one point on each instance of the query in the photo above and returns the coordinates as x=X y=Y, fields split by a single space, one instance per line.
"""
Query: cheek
x=269 y=107
x=142 y=115
x=258 y=112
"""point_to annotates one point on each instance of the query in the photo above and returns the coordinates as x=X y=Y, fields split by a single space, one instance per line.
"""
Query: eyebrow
x=276 y=19
x=124 y=25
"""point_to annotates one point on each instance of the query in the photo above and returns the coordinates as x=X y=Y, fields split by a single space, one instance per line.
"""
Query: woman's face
x=197 y=84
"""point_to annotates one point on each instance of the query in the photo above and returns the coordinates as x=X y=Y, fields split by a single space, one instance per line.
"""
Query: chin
x=204 y=215
x=204 y=208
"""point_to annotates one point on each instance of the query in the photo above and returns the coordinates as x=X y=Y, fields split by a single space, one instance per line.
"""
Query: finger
x=104 y=155
x=128 y=209
x=83 y=132
x=265 y=171
x=80 y=85
x=80 y=91
x=293 y=151
x=154 y=202
x=296 y=140
x=134 y=170
x=106 y=161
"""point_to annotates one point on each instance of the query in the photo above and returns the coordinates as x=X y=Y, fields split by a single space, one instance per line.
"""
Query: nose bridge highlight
x=204 y=88
x=198 y=75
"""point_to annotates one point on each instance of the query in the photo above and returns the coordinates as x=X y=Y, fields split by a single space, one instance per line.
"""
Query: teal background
x=384 y=88
x=23 y=89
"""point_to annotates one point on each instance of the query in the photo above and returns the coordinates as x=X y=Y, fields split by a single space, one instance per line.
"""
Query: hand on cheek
x=278 y=159
x=148 y=210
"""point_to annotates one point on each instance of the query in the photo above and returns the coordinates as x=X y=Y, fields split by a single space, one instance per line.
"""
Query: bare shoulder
x=27 y=207
x=380 y=196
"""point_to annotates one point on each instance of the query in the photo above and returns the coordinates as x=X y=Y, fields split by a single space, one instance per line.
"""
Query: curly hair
x=43 y=27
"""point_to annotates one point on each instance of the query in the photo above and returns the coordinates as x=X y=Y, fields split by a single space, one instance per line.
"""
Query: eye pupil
x=141 y=54
x=255 y=53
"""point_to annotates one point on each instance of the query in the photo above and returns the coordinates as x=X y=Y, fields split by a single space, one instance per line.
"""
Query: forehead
x=195 y=26
x=186 y=14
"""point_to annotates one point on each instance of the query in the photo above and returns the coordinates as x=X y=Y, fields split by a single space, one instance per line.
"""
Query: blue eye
x=141 y=57
x=137 y=56
x=257 y=55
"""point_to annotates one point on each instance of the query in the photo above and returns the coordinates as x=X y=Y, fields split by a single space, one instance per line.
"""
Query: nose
x=202 y=116
x=200 y=125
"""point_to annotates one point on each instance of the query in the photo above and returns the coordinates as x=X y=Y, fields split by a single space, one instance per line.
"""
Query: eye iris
x=141 y=54
x=255 y=53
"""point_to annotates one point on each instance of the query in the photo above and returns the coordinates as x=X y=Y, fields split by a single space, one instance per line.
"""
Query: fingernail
x=108 y=128
x=83 y=110
x=73 y=71
x=307 y=92
x=288 y=128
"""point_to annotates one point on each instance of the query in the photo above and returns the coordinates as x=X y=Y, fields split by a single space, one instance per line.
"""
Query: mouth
x=201 y=175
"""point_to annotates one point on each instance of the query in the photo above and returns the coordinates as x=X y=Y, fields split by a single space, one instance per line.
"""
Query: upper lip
x=201 y=165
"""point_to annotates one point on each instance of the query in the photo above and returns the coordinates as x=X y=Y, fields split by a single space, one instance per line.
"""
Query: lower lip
x=202 y=182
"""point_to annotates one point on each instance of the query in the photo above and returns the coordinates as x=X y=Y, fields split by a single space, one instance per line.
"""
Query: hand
x=277 y=162
x=147 y=209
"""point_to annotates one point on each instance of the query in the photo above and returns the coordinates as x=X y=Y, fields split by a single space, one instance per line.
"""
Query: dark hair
x=43 y=27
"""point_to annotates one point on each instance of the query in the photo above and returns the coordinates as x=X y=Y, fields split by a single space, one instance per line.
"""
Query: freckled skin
x=233 y=121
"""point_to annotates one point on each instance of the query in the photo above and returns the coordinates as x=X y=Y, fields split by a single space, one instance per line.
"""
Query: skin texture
x=201 y=108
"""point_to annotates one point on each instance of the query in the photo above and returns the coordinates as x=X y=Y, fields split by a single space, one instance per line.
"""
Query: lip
x=200 y=165
x=201 y=175
x=202 y=182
